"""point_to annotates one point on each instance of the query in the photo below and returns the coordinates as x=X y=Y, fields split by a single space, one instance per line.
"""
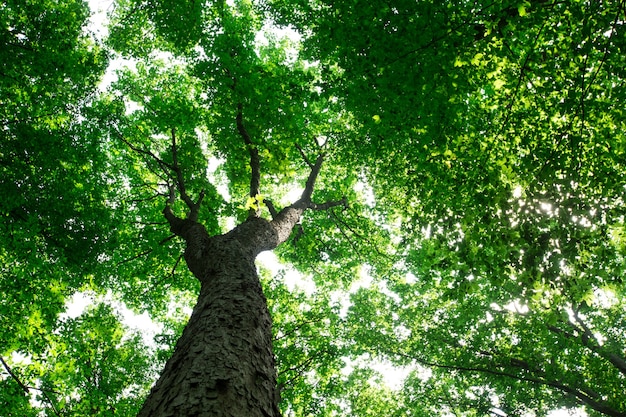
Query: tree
x=50 y=168
x=472 y=230
x=223 y=363
x=510 y=200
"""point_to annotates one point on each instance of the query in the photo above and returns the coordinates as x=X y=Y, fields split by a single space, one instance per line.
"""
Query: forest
x=312 y=208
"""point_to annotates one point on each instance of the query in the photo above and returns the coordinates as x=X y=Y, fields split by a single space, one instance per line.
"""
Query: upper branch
x=310 y=182
x=255 y=163
x=328 y=204
x=589 y=340
x=15 y=377
x=162 y=164
x=303 y=155
x=180 y=182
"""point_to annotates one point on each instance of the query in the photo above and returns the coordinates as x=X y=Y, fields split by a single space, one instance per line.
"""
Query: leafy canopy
x=480 y=146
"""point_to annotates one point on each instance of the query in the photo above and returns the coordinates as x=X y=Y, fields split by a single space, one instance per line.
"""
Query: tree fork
x=223 y=363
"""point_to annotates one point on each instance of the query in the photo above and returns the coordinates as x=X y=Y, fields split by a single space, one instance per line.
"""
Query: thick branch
x=310 y=182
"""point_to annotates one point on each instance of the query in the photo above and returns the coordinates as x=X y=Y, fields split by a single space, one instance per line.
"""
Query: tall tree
x=223 y=363
x=479 y=145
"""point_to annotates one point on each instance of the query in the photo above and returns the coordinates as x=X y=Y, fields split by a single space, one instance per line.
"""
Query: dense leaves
x=480 y=146
x=52 y=175
x=493 y=136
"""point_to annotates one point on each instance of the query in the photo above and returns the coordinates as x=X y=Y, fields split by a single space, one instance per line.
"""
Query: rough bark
x=223 y=364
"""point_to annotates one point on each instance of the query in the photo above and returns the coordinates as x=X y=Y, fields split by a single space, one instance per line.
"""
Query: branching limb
x=284 y=221
x=305 y=199
x=168 y=168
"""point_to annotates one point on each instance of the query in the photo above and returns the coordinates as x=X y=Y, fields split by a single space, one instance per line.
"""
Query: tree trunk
x=223 y=364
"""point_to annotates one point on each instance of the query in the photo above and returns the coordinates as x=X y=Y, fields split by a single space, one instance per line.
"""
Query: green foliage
x=480 y=146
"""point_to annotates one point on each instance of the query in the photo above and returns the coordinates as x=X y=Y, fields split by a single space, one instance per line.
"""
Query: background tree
x=494 y=140
x=53 y=182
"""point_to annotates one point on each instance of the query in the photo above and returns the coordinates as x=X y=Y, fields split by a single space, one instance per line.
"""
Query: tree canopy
x=479 y=148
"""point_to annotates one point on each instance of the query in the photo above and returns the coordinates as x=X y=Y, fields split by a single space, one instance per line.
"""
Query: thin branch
x=271 y=208
x=360 y=235
x=590 y=341
x=304 y=157
x=255 y=163
x=176 y=265
x=310 y=182
x=354 y=247
x=145 y=152
x=139 y=255
x=146 y=252
x=520 y=79
x=179 y=175
x=329 y=204
x=15 y=377
x=143 y=200
x=164 y=277
x=297 y=328
x=435 y=39
x=27 y=389
x=45 y=394
x=149 y=223
x=580 y=394
x=193 y=207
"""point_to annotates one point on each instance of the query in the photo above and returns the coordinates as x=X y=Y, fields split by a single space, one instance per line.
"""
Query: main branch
x=284 y=221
